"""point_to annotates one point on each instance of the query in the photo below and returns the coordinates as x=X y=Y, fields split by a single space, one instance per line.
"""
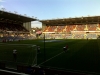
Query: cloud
x=1 y=6
x=2 y=1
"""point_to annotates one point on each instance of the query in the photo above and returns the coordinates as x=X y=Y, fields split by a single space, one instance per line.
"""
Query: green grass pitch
x=83 y=55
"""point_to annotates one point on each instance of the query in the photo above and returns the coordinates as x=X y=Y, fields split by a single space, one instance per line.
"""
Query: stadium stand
x=76 y=27
x=80 y=27
x=91 y=27
x=14 y=27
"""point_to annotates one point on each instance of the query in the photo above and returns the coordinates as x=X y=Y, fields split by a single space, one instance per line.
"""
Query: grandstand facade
x=72 y=28
x=14 y=26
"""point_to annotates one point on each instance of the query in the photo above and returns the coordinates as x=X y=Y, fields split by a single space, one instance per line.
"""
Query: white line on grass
x=13 y=72
x=34 y=61
x=51 y=58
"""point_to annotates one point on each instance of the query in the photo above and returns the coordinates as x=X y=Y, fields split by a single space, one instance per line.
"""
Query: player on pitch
x=15 y=54
x=65 y=48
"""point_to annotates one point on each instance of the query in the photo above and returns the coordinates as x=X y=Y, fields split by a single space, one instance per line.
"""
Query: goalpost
x=26 y=55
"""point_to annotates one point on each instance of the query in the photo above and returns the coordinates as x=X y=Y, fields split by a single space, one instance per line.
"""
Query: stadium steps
x=98 y=28
x=65 y=28
x=75 y=28
x=86 y=28
x=55 y=29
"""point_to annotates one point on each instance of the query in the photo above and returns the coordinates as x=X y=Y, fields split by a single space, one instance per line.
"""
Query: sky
x=52 y=9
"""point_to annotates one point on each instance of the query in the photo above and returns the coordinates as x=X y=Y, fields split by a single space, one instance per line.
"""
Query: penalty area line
x=51 y=58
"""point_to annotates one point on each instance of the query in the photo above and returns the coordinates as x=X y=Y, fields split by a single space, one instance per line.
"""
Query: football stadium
x=80 y=34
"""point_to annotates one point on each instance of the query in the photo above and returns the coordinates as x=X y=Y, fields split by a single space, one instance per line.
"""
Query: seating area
x=98 y=26
x=78 y=36
x=12 y=27
x=60 y=28
x=91 y=36
x=80 y=27
x=57 y=36
x=49 y=36
x=46 y=29
x=69 y=28
x=51 y=28
x=13 y=32
x=91 y=27
x=66 y=28
x=18 y=37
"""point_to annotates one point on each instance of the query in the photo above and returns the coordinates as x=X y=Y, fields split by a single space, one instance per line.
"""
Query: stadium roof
x=69 y=21
x=15 y=17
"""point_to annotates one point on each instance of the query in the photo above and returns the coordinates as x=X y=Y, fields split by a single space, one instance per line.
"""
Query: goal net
x=26 y=55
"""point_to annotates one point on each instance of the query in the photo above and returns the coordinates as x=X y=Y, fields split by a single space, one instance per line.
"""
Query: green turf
x=25 y=54
x=83 y=55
